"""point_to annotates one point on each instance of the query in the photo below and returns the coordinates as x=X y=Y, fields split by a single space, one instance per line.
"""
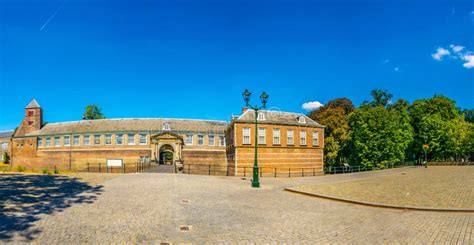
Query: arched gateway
x=166 y=149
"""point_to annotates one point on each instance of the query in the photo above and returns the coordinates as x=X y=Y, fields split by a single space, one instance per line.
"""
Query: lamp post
x=264 y=97
x=425 y=149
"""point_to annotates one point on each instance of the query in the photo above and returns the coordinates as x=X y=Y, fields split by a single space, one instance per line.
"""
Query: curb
x=380 y=205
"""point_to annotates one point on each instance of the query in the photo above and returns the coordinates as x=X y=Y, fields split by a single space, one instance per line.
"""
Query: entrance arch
x=166 y=155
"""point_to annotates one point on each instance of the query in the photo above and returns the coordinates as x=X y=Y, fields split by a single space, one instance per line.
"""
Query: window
x=200 y=139
x=118 y=139
x=31 y=113
x=166 y=126
x=261 y=116
x=246 y=136
x=131 y=139
x=290 y=137
x=31 y=122
x=67 y=140
x=97 y=139
x=56 y=141
x=302 y=137
x=108 y=139
x=4 y=146
x=221 y=140
x=87 y=139
x=48 y=141
x=40 y=142
x=211 y=141
x=76 y=140
x=276 y=136
x=189 y=139
x=261 y=136
x=143 y=139
x=301 y=119
x=315 y=138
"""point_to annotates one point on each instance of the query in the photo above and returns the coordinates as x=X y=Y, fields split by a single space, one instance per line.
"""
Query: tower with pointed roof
x=33 y=119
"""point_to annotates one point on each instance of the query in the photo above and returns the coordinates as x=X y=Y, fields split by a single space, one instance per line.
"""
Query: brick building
x=185 y=143
x=286 y=142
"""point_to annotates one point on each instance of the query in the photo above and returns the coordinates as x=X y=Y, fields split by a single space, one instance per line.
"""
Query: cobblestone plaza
x=198 y=209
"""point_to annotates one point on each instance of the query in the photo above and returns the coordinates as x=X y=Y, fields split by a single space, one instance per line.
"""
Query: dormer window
x=261 y=116
x=301 y=119
x=166 y=126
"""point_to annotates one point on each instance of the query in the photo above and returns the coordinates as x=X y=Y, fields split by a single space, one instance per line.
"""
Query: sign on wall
x=114 y=162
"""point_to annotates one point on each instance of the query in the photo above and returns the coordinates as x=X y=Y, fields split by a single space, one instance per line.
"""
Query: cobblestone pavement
x=433 y=187
x=152 y=207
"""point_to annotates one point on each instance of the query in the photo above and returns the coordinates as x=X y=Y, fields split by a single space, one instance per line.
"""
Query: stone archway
x=166 y=155
x=166 y=143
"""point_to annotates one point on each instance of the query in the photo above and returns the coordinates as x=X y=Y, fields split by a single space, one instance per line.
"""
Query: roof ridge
x=118 y=119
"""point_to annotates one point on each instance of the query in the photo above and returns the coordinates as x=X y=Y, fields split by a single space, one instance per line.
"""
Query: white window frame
x=166 y=126
x=40 y=142
x=221 y=140
x=67 y=140
x=108 y=137
x=117 y=137
x=200 y=137
x=58 y=142
x=315 y=138
x=97 y=137
x=48 y=141
x=78 y=137
x=246 y=134
x=302 y=120
x=142 y=136
x=290 y=134
x=262 y=137
x=303 y=137
x=88 y=141
x=209 y=137
x=189 y=136
x=132 y=137
x=276 y=136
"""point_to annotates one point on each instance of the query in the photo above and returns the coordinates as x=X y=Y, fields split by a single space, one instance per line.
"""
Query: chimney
x=244 y=109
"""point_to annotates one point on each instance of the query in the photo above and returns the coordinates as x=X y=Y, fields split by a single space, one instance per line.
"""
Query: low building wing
x=277 y=117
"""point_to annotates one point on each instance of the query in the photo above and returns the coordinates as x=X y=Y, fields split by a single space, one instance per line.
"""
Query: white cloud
x=396 y=69
x=313 y=105
x=469 y=58
x=456 y=48
x=440 y=52
x=385 y=62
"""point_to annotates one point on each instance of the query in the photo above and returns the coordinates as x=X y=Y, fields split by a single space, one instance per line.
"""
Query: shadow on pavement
x=23 y=198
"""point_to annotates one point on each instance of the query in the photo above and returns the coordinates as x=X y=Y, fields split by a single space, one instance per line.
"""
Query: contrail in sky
x=52 y=16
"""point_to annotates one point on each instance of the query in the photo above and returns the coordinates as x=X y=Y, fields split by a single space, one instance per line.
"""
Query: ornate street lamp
x=264 y=98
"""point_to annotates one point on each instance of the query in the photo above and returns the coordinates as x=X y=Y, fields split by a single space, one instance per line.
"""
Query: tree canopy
x=380 y=132
x=93 y=112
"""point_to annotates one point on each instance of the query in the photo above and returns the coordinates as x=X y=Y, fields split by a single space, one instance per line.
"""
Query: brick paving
x=151 y=208
x=433 y=187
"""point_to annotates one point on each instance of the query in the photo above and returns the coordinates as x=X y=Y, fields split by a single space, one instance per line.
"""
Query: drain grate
x=185 y=228
x=184 y=201
x=165 y=243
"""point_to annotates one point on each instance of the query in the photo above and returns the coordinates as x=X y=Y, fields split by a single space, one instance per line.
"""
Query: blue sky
x=193 y=59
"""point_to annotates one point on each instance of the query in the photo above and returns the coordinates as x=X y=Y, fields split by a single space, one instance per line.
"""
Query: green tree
x=93 y=112
x=334 y=115
x=379 y=136
x=5 y=157
x=437 y=122
x=380 y=132
x=468 y=115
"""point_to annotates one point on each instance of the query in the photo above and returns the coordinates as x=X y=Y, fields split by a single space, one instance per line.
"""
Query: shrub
x=46 y=171
x=21 y=168
x=56 y=170
x=5 y=157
